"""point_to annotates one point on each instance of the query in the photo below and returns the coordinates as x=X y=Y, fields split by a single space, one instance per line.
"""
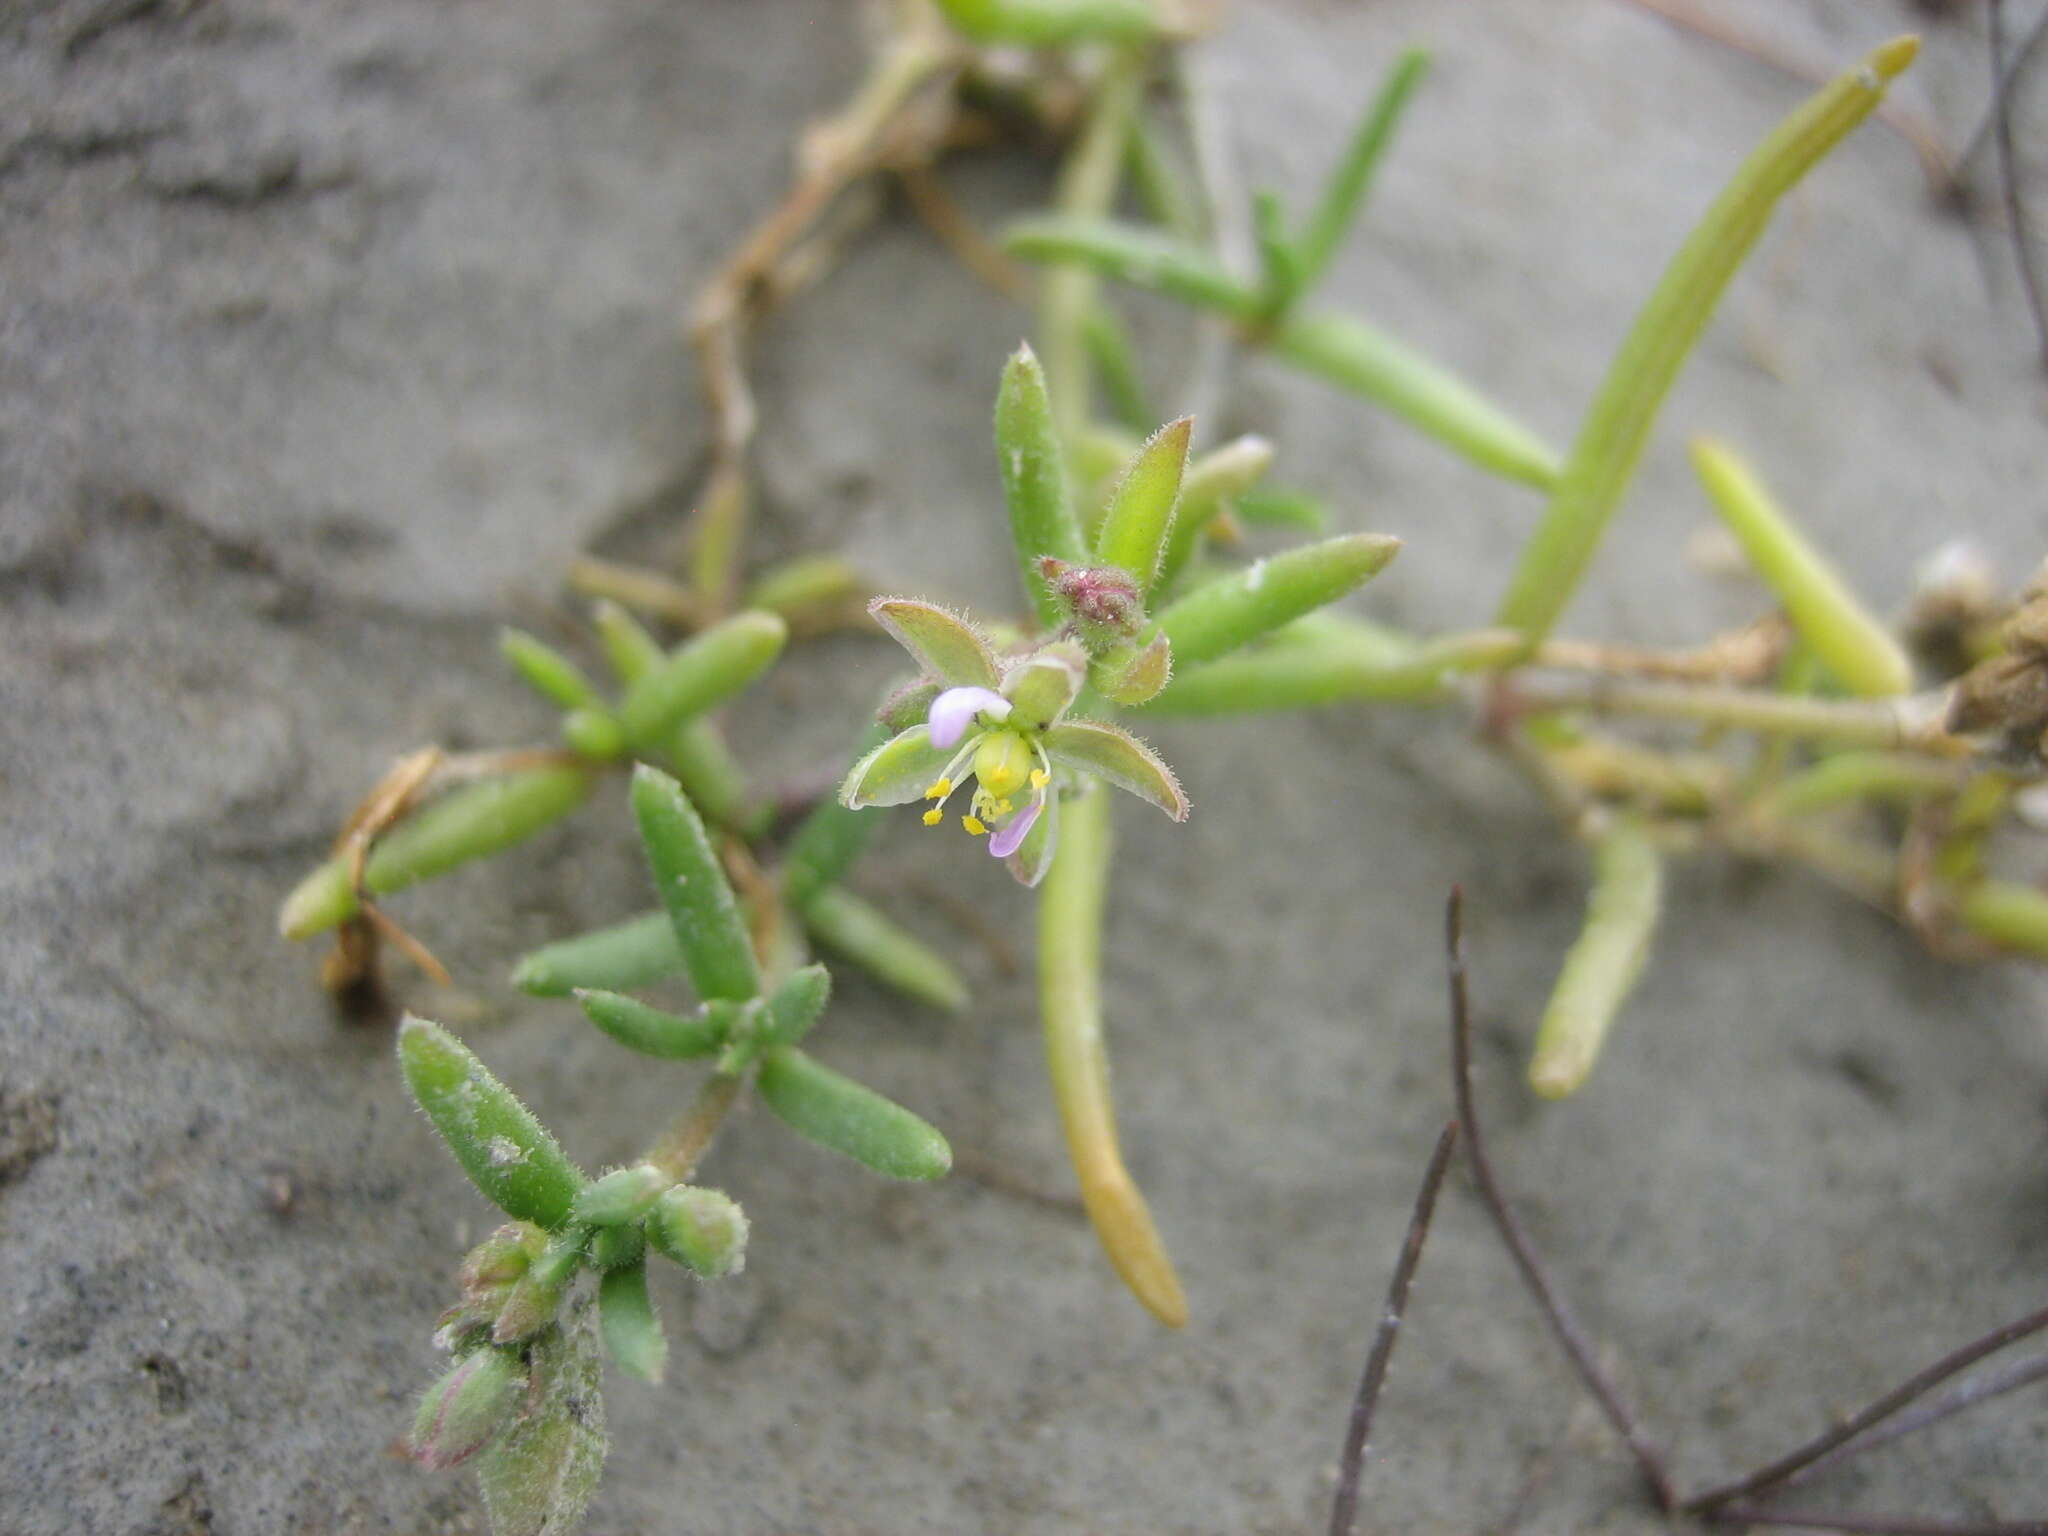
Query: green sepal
x=626 y=1319
x=709 y=928
x=704 y=1230
x=537 y=1479
x=547 y=671
x=1052 y=23
x=796 y=1005
x=943 y=644
x=1139 y=520
x=1042 y=686
x=856 y=931
x=1114 y=754
x=834 y=1111
x=699 y=674
x=1135 y=675
x=499 y=1143
x=653 y=1032
x=1235 y=609
x=626 y=955
x=465 y=824
x=1032 y=464
x=624 y=1195
x=898 y=771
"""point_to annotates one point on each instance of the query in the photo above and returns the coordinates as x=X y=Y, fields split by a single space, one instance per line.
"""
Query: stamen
x=1040 y=778
x=973 y=824
x=941 y=787
x=1003 y=807
x=934 y=816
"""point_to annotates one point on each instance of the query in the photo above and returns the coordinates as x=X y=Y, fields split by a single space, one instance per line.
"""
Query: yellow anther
x=939 y=790
x=934 y=816
x=974 y=825
x=1040 y=778
x=1002 y=807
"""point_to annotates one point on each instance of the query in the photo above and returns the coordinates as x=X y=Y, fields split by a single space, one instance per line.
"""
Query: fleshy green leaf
x=1144 y=258
x=628 y=646
x=537 y=1479
x=622 y=1196
x=1139 y=521
x=654 y=1033
x=1053 y=23
x=547 y=671
x=1604 y=962
x=617 y=959
x=713 y=778
x=898 y=771
x=797 y=1003
x=699 y=674
x=465 y=824
x=1213 y=481
x=834 y=1111
x=499 y=1143
x=1232 y=610
x=854 y=930
x=1617 y=423
x=704 y=1230
x=1345 y=192
x=1838 y=628
x=709 y=929
x=1373 y=365
x=1354 y=661
x=626 y=1318
x=1034 y=472
x=829 y=840
x=945 y=645
x=1112 y=753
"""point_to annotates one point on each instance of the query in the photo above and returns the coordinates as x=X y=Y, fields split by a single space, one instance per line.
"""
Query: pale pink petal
x=954 y=710
x=1006 y=839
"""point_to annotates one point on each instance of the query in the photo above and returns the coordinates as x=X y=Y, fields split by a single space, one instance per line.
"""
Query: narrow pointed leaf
x=1617 y=423
x=898 y=771
x=1113 y=753
x=1053 y=23
x=499 y=1143
x=945 y=645
x=797 y=1003
x=699 y=674
x=547 y=671
x=1033 y=467
x=465 y=824
x=652 y=1032
x=538 y=1477
x=1373 y=365
x=626 y=1318
x=1279 y=262
x=1349 y=182
x=628 y=955
x=1840 y=631
x=856 y=931
x=1116 y=367
x=834 y=1111
x=1602 y=966
x=631 y=650
x=1140 y=516
x=1233 y=610
x=1144 y=258
x=829 y=840
x=709 y=929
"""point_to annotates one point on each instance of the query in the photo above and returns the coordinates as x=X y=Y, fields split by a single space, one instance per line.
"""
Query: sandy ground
x=331 y=330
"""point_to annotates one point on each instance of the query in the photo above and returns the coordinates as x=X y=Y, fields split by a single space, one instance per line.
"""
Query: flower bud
x=704 y=1230
x=1135 y=674
x=621 y=1196
x=493 y=1266
x=462 y=1412
x=1104 y=602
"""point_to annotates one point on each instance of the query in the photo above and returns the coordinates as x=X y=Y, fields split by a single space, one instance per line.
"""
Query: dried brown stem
x=1649 y=1461
x=1873 y=1525
x=2009 y=180
x=1357 y=1446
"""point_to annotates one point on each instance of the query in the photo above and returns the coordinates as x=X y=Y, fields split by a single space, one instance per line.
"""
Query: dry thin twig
x=1344 y=1511
x=2009 y=179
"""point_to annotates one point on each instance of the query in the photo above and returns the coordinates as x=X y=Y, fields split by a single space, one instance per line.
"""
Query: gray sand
x=331 y=330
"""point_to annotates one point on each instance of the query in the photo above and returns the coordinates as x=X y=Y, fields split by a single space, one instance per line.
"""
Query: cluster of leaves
x=523 y=1395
